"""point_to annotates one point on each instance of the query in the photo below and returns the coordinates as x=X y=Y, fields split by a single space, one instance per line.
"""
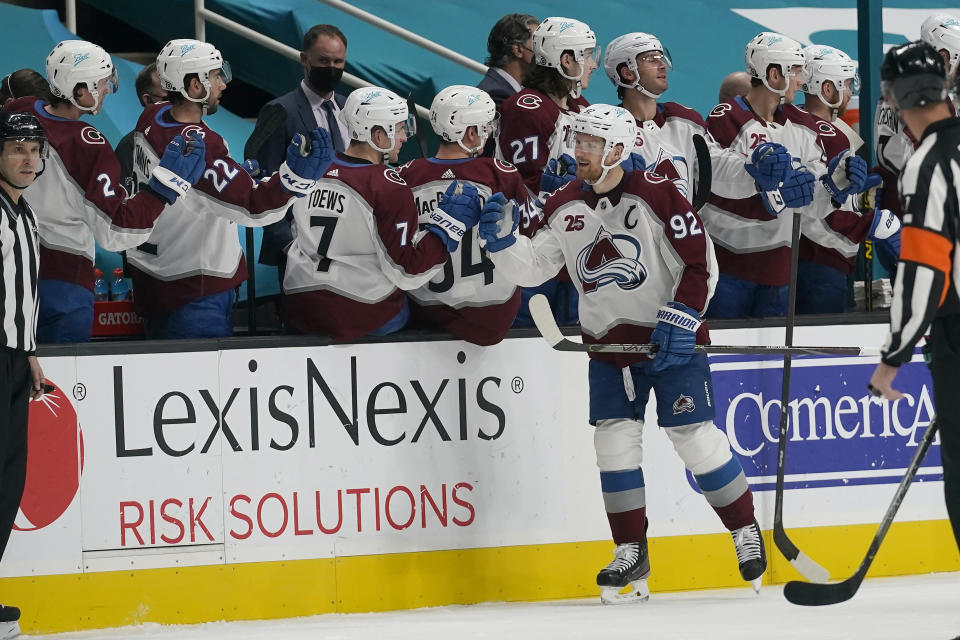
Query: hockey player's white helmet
x=556 y=35
x=180 y=58
x=614 y=125
x=942 y=31
x=459 y=107
x=824 y=63
x=78 y=62
x=370 y=107
x=624 y=51
x=770 y=48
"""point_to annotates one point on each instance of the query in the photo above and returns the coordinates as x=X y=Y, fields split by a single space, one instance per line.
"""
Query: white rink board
x=220 y=457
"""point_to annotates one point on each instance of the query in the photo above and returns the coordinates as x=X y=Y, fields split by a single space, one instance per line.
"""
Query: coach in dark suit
x=314 y=102
x=510 y=54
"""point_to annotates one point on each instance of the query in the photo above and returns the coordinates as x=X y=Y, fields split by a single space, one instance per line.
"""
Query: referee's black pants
x=944 y=357
x=14 y=399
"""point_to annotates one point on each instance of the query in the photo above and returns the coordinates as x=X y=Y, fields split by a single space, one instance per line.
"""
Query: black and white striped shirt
x=928 y=272
x=20 y=270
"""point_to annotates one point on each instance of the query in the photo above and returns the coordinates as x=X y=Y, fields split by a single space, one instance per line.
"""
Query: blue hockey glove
x=675 y=335
x=252 y=167
x=181 y=165
x=459 y=209
x=498 y=223
x=634 y=162
x=795 y=191
x=870 y=197
x=306 y=163
x=846 y=174
x=769 y=165
x=885 y=233
x=556 y=174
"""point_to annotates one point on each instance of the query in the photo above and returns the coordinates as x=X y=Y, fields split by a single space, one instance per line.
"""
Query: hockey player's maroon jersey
x=79 y=199
x=356 y=245
x=750 y=243
x=832 y=237
x=468 y=298
x=533 y=129
x=194 y=249
x=629 y=252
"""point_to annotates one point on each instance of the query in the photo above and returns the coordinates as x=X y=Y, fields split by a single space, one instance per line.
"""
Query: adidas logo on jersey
x=334 y=173
x=448 y=175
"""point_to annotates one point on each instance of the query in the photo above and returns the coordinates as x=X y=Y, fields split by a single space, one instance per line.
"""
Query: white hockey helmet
x=624 y=50
x=180 y=58
x=942 y=31
x=370 y=107
x=824 y=63
x=614 y=125
x=78 y=62
x=459 y=107
x=768 y=48
x=556 y=35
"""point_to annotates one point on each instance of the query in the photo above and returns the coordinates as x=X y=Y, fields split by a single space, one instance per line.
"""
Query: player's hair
x=757 y=82
x=547 y=80
x=24 y=82
x=511 y=29
x=144 y=81
x=318 y=30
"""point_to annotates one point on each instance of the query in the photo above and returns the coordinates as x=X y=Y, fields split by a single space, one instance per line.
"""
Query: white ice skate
x=9 y=630
x=629 y=568
x=751 y=555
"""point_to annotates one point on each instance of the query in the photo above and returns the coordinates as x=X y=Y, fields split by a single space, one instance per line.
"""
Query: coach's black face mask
x=324 y=79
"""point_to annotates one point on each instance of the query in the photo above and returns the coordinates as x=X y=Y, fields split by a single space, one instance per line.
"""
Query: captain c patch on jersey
x=610 y=259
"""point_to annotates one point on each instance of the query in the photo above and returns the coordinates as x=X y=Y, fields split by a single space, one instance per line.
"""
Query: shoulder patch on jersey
x=90 y=135
x=654 y=178
x=529 y=101
x=506 y=167
x=721 y=109
x=393 y=176
x=193 y=127
x=826 y=129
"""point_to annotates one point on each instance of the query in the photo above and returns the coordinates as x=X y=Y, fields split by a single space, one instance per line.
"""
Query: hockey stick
x=547 y=325
x=812 y=595
x=799 y=560
x=704 y=172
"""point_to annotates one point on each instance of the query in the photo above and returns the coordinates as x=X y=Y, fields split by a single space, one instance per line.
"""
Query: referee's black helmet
x=19 y=126
x=913 y=75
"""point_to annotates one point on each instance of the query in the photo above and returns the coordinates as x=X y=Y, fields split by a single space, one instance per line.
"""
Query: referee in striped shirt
x=22 y=147
x=914 y=78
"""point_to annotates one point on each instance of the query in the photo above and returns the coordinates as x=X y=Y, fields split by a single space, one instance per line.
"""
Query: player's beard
x=589 y=173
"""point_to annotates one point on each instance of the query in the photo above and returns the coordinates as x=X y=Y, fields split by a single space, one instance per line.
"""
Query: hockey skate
x=630 y=567
x=9 y=627
x=751 y=555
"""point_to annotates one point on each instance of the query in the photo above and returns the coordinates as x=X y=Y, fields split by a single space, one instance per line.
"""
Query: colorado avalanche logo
x=673 y=167
x=826 y=129
x=610 y=259
x=720 y=109
x=506 y=167
x=683 y=404
x=197 y=131
x=92 y=136
x=529 y=101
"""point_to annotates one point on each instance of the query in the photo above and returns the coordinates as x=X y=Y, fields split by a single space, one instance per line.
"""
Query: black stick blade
x=808 y=594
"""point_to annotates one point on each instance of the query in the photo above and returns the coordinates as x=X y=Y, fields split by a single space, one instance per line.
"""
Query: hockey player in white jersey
x=832 y=236
x=469 y=297
x=356 y=244
x=186 y=274
x=645 y=271
x=79 y=199
x=638 y=64
x=752 y=238
x=893 y=142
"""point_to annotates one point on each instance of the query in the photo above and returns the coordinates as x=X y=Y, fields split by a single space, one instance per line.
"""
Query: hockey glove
x=558 y=173
x=846 y=174
x=252 y=167
x=180 y=167
x=675 y=335
x=769 y=165
x=885 y=233
x=872 y=193
x=459 y=210
x=634 y=162
x=306 y=163
x=795 y=192
x=498 y=223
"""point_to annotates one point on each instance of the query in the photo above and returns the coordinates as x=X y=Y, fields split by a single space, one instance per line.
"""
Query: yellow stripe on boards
x=407 y=580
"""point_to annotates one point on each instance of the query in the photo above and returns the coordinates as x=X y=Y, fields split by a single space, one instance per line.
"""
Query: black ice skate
x=750 y=554
x=9 y=627
x=631 y=566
